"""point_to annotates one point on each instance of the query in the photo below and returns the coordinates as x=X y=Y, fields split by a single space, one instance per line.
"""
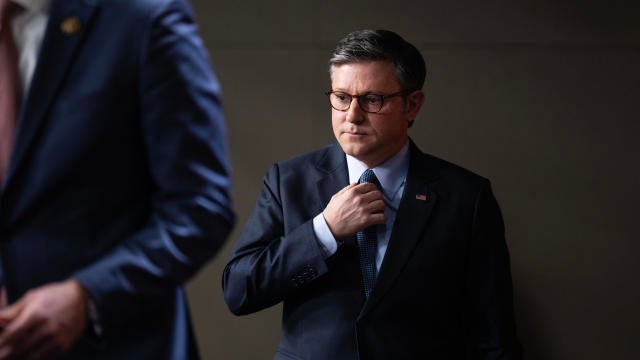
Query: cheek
x=390 y=128
x=337 y=118
x=335 y=125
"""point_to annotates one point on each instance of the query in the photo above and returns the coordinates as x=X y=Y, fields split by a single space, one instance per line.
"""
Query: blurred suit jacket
x=444 y=287
x=119 y=176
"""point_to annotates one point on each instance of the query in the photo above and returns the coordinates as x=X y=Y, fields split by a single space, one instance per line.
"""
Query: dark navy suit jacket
x=444 y=288
x=119 y=176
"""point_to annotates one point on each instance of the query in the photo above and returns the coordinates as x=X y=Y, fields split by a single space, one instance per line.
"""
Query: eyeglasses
x=371 y=103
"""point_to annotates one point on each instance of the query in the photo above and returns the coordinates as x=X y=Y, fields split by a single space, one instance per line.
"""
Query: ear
x=414 y=104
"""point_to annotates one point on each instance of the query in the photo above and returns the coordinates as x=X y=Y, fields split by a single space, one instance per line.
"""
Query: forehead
x=369 y=76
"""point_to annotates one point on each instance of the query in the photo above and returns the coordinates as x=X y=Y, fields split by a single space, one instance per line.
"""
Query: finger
x=377 y=219
x=36 y=342
x=7 y=316
x=11 y=312
x=376 y=206
x=346 y=188
x=372 y=196
x=365 y=188
x=42 y=345
x=20 y=332
x=17 y=346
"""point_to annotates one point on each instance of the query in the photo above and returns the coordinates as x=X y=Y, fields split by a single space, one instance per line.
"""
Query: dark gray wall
x=539 y=96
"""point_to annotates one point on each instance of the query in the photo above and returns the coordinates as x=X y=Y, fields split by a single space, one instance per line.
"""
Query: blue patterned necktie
x=368 y=243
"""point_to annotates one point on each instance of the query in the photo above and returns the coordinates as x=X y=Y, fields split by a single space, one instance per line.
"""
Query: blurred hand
x=44 y=323
x=3 y=297
x=354 y=208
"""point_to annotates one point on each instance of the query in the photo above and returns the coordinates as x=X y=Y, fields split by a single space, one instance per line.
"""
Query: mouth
x=354 y=132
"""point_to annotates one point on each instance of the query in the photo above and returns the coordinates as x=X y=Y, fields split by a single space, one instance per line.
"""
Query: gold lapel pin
x=70 y=25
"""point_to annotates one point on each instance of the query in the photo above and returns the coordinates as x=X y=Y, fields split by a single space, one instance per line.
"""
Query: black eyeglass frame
x=382 y=99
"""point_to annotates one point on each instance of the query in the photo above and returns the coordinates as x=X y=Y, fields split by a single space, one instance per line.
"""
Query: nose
x=355 y=114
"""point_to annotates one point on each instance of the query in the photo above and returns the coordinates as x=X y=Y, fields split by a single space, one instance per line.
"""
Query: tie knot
x=368 y=176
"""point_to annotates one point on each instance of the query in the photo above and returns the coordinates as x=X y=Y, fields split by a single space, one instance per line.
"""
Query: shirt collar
x=390 y=173
x=34 y=5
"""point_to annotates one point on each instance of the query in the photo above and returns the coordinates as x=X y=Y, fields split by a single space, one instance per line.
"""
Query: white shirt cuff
x=324 y=235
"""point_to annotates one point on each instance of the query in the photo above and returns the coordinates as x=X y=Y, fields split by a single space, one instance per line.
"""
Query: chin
x=358 y=152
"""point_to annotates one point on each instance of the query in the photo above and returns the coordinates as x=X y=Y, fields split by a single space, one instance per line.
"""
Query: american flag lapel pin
x=421 y=197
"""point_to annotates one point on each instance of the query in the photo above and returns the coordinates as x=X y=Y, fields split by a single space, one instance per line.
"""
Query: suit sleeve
x=184 y=137
x=490 y=315
x=268 y=262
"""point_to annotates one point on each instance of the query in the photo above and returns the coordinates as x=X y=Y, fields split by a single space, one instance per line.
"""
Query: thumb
x=10 y=312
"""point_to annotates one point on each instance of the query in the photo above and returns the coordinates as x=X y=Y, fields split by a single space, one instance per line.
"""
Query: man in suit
x=117 y=187
x=436 y=284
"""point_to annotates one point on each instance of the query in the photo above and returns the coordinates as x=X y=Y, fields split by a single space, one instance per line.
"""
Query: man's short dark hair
x=382 y=45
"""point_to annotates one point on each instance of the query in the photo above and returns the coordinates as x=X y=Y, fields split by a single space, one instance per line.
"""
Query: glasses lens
x=370 y=102
x=340 y=100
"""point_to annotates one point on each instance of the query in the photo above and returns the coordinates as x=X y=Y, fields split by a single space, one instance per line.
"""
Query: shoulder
x=136 y=4
x=444 y=171
x=311 y=158
x=452 y=170
x=142 y=9
x=312 y=164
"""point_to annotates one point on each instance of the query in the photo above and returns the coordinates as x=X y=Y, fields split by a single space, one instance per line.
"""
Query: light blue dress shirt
x=392 y=175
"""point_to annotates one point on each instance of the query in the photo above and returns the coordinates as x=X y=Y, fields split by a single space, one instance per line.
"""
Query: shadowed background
x=539 y=96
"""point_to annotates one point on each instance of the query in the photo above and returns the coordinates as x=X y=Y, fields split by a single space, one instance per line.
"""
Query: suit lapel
x=344 y=264
x=335 y=176
x=418 y=201
x=67 y=24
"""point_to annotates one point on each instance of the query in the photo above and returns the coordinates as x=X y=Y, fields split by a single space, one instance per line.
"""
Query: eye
x=373 y=99
x=341 y=97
